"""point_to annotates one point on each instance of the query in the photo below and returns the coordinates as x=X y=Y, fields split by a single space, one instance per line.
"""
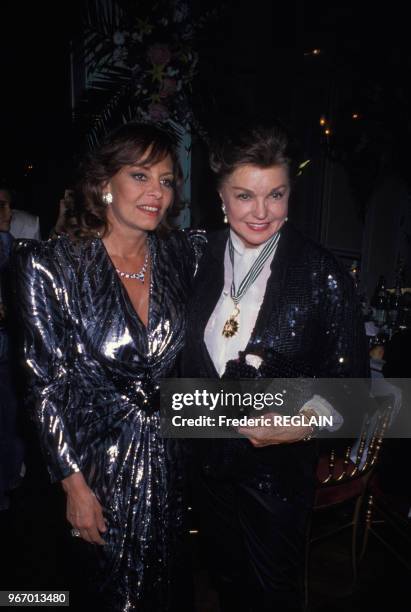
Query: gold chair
x=387 y=516
x=343 y=475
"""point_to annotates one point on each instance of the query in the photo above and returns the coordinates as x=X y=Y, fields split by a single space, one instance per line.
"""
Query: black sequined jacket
x=309 y=325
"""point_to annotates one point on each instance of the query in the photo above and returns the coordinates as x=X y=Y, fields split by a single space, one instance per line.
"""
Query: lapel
x=276 y=286
x=210 y=282
x=208 y=287
x=268 y=318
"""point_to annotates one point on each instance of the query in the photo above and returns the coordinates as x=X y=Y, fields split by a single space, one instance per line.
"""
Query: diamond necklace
x=136 y=275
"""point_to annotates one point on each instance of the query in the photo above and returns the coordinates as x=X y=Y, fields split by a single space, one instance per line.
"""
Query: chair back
x=356 y=458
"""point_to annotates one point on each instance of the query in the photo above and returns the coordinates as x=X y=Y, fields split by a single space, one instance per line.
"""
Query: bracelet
x=309 y=436
x=309 y=413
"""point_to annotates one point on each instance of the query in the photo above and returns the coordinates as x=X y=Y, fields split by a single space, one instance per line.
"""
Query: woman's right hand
x=84 y=512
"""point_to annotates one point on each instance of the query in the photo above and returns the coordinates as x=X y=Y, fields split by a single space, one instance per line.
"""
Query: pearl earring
x=224 y=213
x=107 y=198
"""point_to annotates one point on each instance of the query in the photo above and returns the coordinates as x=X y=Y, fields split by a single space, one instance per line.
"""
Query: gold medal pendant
x=231 y=325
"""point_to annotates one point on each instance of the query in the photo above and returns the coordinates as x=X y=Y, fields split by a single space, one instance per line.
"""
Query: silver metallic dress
x=95 y=370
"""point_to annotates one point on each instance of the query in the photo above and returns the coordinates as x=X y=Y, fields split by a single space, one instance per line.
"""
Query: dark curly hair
x=258 y=144
x=86 y=216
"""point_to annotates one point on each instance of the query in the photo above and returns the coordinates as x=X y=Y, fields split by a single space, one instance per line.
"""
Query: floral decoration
x=140 y=62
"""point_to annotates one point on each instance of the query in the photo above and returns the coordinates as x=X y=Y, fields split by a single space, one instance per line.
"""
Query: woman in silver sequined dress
x=103 y=310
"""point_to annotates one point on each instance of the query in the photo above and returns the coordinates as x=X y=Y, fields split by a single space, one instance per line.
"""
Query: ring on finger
x=76 y=533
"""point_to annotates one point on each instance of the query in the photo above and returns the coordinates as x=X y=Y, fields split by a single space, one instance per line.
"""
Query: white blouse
x=222 y=349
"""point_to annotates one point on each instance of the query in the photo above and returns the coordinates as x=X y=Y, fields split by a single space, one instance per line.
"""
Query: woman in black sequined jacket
x=302 y=319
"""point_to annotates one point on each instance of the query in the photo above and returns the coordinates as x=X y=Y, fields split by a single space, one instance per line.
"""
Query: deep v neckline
x=129 y=307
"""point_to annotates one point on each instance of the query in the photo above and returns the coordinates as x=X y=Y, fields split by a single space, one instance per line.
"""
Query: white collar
x=240 y=248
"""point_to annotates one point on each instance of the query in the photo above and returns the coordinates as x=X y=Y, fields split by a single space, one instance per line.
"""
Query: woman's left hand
x=266 y=435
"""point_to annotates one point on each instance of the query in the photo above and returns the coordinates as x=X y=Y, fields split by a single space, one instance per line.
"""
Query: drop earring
x=107 y=198
x=224 y=213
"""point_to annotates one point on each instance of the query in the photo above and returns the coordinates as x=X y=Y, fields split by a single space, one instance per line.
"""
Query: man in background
x=11 y=447
x=23 y=224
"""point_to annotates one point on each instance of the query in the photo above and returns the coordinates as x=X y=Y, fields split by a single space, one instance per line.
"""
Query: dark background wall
x=254 y=60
